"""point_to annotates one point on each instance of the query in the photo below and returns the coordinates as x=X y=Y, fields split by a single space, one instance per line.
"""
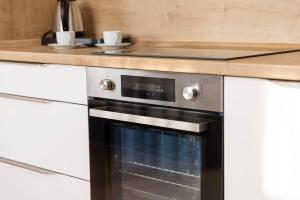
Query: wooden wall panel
x=197 y=20
x=5 y=19
x=25 y=19
x=31 y=18
x=249 y=21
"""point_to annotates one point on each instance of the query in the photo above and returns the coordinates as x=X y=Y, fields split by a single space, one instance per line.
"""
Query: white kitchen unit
x=262 y=134
x=56 y=82
x=47 y=134
x=18 y=183
x=44 y=126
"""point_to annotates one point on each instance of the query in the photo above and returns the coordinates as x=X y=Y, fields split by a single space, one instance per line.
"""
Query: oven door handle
x=151 y=121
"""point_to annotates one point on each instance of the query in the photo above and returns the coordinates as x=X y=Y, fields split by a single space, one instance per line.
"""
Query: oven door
x=152 y=153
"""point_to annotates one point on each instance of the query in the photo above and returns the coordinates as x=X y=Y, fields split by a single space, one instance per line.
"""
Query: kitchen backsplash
x=23 y=19
x=165 y=20
x=197 y=20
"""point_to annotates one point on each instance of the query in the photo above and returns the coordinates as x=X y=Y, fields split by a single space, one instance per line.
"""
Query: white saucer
x=71 y=46
x=112 y=47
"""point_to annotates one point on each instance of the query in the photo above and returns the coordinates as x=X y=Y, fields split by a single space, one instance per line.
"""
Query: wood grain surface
x=167 y=21
x=267 y=21
x=24 y=19
x=282 y=67
x=5 y=19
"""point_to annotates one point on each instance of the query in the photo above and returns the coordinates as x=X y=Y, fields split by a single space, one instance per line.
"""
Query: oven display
x=160 y=89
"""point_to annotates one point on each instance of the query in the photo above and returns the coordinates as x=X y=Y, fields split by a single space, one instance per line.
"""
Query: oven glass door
x=131 y=161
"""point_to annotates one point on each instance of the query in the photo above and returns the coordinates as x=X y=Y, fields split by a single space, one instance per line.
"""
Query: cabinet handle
x=22 y=98
x=26 y=166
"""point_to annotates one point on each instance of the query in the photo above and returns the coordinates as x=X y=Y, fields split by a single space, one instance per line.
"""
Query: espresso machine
x=67 y=17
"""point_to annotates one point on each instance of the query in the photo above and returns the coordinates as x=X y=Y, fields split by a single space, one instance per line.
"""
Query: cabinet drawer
x=53 y=82
x=19 y=183
x=46 y=134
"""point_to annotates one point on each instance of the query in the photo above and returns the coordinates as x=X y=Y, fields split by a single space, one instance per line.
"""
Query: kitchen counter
x=283 y=66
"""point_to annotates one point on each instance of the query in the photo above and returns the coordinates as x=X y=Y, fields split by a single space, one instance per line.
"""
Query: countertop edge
x=278 y=67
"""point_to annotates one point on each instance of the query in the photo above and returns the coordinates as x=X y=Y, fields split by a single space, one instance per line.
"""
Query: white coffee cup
x=65 y=37
x=112 y=37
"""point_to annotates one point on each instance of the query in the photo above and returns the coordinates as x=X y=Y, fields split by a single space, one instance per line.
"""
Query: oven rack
x=162 y=175
x=161 y=169
x=137 y=194
x=163 y=162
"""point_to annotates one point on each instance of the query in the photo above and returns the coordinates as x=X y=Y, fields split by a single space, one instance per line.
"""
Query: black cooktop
x=189 y=53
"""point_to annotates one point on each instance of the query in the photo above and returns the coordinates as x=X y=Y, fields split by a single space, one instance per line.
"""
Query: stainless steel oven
x=155 y=136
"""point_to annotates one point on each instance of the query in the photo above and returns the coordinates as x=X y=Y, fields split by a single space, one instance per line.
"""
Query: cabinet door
x=262 y=134
x=54 y=82
x=46 y=134
x=22 y=184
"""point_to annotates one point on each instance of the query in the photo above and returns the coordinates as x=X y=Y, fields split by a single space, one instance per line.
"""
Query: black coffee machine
x=67 y=17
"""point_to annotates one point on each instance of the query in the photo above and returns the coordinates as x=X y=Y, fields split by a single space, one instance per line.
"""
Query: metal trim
x=151 y=121
x=22 y=98
x=26 y=166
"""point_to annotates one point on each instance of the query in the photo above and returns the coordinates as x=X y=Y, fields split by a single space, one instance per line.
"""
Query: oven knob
x=190 y=93
x=106 y=84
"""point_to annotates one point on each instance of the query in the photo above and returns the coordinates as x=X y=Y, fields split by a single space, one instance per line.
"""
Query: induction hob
x=189 y=53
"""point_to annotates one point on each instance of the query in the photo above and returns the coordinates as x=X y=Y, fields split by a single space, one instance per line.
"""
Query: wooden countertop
x=283 y=66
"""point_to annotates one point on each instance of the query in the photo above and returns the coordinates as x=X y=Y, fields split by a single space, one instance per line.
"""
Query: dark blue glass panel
x=178 y=152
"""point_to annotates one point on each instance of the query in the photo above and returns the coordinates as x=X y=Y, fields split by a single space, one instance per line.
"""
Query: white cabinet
x=47 y=134
x=22 y=184
x=262 y=134
x=44 y=117
x=44 y=127
x=54 y=82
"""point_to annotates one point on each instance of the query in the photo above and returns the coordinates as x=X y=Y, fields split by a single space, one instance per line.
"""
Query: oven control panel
x=151 y=88
x=194 y=91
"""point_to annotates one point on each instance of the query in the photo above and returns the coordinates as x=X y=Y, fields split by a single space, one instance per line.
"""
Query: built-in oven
x=155 y=136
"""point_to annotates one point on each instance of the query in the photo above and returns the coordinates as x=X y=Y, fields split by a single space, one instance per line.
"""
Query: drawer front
x=19 y=183
x=46 y=134
x=53 y=82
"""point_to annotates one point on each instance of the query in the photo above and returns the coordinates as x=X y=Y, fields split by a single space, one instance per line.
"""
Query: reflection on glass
x=155 y=164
